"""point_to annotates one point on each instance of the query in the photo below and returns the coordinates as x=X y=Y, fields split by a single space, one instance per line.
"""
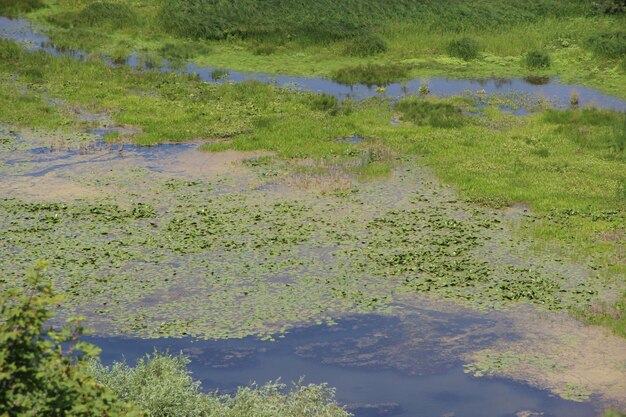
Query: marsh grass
x=104 y=15
x=433 y=113
x=182 y=51
x=371 y=74
x=366 y=45
x=537 y=59
x=608 y=44
x=592 y=128
x=17 y=7
x=465 y=48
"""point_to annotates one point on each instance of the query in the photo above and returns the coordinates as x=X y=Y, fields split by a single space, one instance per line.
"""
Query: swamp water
x=381 y=365
x=434 y=386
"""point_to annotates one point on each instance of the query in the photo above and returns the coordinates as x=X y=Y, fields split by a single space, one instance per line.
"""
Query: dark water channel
x=345 y=356
x=533 y=88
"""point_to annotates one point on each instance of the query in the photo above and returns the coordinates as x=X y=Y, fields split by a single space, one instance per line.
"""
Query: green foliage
x=433 y=113
x=610 y=6
x=371 y=74
x=161 y=384
x=16 y=7
x=608 y=44
x=42 y=372
x=537 y=59
x=366 y=45
x=465 y=48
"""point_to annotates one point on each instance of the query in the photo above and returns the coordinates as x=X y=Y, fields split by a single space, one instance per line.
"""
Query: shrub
x=44 y=371
x=161 y=384
x=537 y=59
x=371 y=74
x=324 y=102
x=366 y=45
x=608 y=44
x=610 y=6
x=436 y=114
x=464 y=48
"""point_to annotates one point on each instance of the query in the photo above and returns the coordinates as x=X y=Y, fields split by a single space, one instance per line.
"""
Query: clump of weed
x=15 y=7
x=537 y=59
x=182 y=51
x=366 y=45
x=608 y=44
x=219 y=74
x=324 y=102
x=465 y=48
x=436 y=114
x=371 y=74
x=574 y=99
x=9 y=50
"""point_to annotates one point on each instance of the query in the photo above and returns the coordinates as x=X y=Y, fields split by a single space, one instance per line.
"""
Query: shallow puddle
x=517 y=95
x=367 y=388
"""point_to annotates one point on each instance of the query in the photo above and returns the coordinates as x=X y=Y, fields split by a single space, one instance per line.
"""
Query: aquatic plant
x=465 y=48
x=574 y=99
x=433 y=113
x=537 y=59
x=182 y=51
x=371 y=74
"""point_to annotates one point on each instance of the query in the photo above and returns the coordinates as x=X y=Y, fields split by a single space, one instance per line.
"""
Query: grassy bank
x=585 y=45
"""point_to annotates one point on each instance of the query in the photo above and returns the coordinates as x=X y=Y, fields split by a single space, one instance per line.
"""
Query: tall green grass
x=16 y=7
x=328 y=20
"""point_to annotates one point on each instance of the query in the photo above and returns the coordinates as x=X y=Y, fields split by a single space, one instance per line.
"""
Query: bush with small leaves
x=464 y=48
x=43 y=371
x=537 y=59
x=366 y=45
